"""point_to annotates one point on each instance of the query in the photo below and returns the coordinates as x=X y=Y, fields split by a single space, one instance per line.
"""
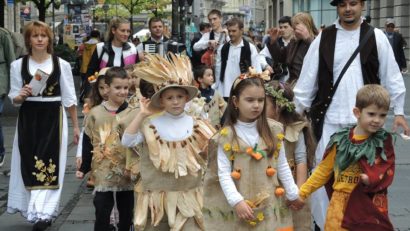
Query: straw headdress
x=173 y=71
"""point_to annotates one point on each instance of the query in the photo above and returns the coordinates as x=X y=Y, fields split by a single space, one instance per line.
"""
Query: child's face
x=370 y=119
x=103 y=89
x=250 y=103
x=207 y=79
x=173 y=100
x=118 y=91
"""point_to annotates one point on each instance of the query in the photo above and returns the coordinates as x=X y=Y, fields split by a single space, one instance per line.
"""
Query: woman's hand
x=244 y=211
x=26 y=91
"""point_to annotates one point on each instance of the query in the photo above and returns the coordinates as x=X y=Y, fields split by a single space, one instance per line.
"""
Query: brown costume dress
x=254 y=184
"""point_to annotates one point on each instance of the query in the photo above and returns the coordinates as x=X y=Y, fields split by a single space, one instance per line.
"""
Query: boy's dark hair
x=204 y=25
x=115 y=72
x=146 y=89
x=285 y=19
x=199 y=72
x=154 y=19
x=215 y=11
x=235 y=21
x=95 y=34
x=371 y=94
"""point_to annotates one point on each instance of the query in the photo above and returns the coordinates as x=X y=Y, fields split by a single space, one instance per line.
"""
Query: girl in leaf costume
x=298 y=141
x=246 y=162
x=108 y=156
x=172 y=147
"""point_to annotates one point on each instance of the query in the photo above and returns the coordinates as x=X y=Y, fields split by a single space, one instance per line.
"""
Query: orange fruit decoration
x=279 y=191
x=270 y=171
x=257 y=155
x=249 y=151
x=236 y=174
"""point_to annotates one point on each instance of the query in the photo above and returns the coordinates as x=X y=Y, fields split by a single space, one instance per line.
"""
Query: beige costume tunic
x=215 y=109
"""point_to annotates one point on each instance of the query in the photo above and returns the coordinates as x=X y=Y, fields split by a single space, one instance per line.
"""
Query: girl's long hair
x=94 y=95
x=232 y=114
x=287 y=117
x=114 y=24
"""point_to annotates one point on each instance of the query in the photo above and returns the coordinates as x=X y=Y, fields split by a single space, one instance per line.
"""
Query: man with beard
x=323 y=63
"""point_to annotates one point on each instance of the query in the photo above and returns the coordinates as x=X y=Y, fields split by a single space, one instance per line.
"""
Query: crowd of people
x=288 y=135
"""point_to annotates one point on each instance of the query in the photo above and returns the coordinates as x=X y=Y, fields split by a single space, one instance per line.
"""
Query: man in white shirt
x=234 y=58
x=216 y=37
x=156 y=29
x=322 y=65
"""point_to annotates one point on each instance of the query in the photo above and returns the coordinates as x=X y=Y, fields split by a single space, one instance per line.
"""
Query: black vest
x=370 y=72
x=53 y=82
x=245 y=60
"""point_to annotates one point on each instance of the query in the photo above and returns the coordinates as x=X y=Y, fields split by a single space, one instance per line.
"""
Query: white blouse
x=248 y=132
x=68 y=96
x=169 y=128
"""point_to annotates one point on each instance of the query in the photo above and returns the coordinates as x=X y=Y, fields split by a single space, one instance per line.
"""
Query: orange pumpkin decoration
x=257 y=155
x=279 y=191
x=249 y=151
x=236 y=174
x=270 y=171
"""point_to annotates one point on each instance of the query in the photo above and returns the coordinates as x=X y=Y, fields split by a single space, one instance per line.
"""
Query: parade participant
x=40 y=144
x=246 y=162
x=108 y=159
x=286 y=35
x=214 y=104
x=7 y=56
x=298 y=141
x=234 y=58
x=323 y=63
x=397 y=43
x=213 y=40
x=156 y=29
x=116 y=51
x=98 y=94
x=173 y=148
x=358 y=167
x=293 y=54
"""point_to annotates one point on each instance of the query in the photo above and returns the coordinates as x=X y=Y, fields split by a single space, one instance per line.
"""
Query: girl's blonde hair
x=33 y=27
x=307 y=20
x=114 y=24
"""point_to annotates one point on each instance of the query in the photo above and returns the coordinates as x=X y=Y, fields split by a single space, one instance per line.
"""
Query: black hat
x=335 y=2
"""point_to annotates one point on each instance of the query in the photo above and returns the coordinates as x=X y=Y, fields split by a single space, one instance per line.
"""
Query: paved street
x=77 y=212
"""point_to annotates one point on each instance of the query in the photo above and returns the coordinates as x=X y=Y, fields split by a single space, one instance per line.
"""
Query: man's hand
x=273 y=34
x=400 y=121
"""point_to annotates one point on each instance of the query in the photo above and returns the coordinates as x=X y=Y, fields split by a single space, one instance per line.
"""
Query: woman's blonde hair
x=307 y=20
x=33 y=27
x=114 y=24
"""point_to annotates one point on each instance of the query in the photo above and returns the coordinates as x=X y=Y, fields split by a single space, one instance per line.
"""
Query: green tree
x=157 y=6
x=42 y=6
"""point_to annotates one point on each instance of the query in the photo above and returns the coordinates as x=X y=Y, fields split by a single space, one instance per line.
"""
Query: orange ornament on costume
x=279 y=191
x=270 y=171
x=236 y=174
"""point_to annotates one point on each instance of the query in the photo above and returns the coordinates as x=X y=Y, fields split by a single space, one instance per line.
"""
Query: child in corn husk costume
x=246 y=162
x=298 y=141
x=172 y=147
x=107 y=160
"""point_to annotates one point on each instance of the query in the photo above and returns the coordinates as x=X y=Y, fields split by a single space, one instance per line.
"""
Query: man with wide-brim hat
x=323 y=63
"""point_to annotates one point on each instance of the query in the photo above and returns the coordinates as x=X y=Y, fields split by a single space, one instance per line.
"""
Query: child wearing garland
x=108 y=155
x=172 y=147
x=358 y=167
x=298 y=141
x=246 y=162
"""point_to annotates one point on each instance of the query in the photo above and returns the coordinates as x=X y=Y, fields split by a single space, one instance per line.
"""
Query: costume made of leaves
x=171 y=178
x=215 y=109
x=352 y=152
x=254 y=185
x=108 y=162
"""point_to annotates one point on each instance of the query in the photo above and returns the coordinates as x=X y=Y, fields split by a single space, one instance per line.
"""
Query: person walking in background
x=87 y=52
x=204 y=27
x=6 y=57
x=40 y=143
x=397 y=43
x=294 y=54
x=233 y=58
x=330 y=106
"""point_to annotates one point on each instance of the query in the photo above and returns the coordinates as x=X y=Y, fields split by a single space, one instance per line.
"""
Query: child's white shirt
x=249 y=133
x=169 y=128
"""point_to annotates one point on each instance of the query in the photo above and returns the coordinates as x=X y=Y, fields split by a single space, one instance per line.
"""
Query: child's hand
x=79 y=175
x=296 y=204
x=78 y=162
x=146 y=108
x=244 y=211
x=365 y=179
